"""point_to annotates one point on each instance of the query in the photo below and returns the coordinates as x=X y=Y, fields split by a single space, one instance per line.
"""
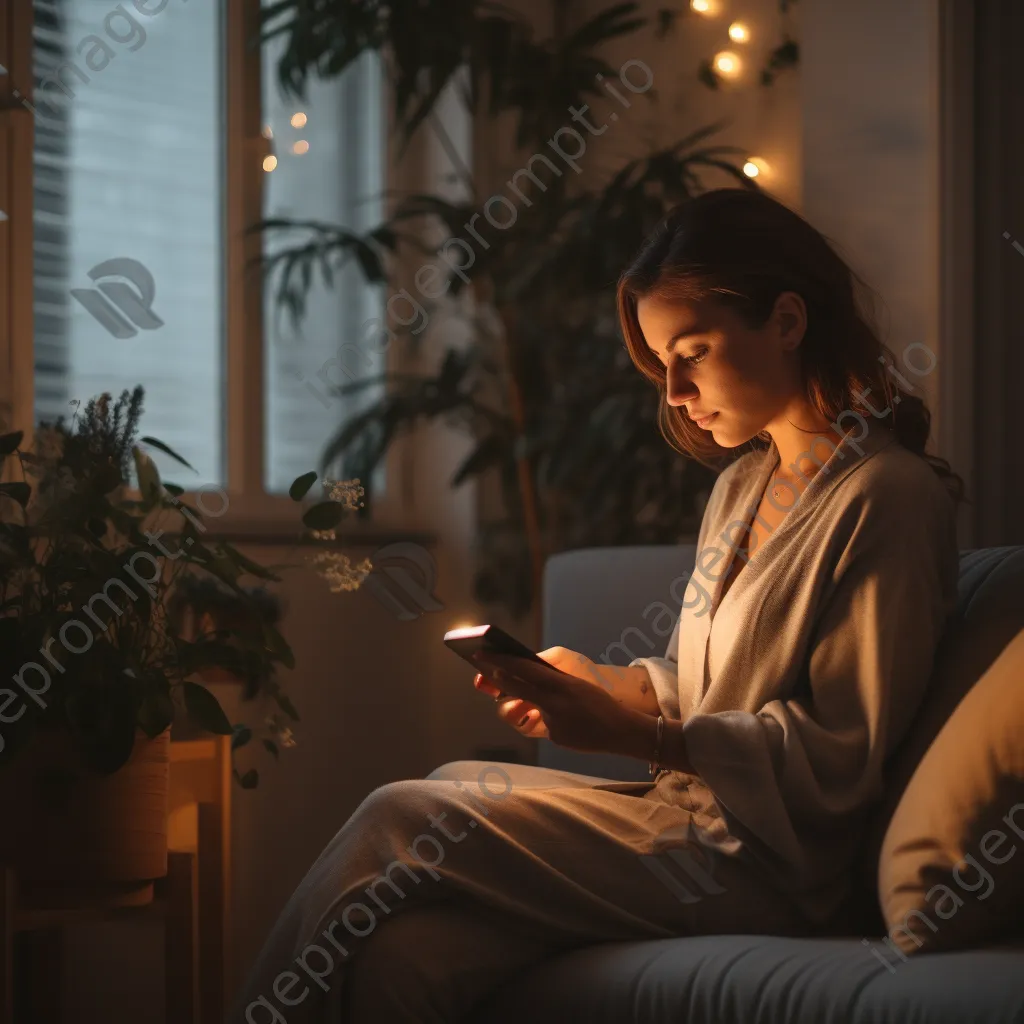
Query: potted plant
x=98 y=559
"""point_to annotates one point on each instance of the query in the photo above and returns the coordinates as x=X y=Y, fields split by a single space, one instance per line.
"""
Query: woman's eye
x=695 y=358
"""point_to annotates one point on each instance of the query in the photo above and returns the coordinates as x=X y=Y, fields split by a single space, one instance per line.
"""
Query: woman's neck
x=805 y=441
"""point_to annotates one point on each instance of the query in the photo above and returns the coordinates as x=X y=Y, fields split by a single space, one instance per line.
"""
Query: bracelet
x=654 y=767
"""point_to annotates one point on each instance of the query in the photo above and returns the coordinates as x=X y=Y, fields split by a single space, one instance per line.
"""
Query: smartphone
x=467 y=641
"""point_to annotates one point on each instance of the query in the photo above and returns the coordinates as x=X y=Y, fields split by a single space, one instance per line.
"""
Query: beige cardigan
x=793 y=690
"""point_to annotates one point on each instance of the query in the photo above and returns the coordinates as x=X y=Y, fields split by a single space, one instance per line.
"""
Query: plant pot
x=77 y=838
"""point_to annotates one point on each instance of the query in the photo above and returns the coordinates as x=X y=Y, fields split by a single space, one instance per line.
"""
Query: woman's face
x=716 y=366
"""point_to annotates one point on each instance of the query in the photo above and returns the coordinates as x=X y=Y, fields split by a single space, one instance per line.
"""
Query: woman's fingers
x=518 y=677
x=512 y=710
x=484 y=685
x=520 y=714
x=532 y=724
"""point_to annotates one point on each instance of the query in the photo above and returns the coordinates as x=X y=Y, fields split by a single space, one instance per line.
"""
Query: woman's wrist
x=639 y=739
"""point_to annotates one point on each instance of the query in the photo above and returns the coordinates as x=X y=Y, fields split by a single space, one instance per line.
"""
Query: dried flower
x=340 y=573
x=348 y=492
x=282 y=733
x=49 y=443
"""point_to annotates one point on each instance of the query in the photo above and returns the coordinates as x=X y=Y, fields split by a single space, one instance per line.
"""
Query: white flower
x=347 y=492
x=339 y=572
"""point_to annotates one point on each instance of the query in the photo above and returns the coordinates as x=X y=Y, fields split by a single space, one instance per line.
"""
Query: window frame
x=251 y=513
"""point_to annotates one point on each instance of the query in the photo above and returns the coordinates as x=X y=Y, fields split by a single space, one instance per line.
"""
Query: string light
x=300 y=147
x=269 y=163
x=755 y=167
x=739 y=33
x=709 y=8
x=727 y=64
x=298 y=120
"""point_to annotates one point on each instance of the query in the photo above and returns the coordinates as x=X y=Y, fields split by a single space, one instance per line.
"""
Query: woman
x=826 y=569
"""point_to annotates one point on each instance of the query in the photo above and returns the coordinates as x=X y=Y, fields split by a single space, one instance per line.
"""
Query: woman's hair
x=742 y=249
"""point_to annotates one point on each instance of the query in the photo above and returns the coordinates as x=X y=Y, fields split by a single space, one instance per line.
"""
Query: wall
x=871 y=155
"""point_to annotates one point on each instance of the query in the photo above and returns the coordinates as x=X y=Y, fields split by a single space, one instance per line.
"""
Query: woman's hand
x=573 y=711
x=526 y=718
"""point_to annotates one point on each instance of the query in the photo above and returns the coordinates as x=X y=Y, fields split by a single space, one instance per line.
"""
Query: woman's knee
x=462 y=771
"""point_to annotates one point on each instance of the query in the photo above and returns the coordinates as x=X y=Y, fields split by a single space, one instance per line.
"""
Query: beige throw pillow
x=951 y=871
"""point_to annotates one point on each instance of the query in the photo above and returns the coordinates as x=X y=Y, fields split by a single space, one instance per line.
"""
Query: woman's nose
x=680 y=388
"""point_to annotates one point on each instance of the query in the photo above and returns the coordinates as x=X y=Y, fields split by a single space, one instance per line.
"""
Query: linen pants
x=437 y=891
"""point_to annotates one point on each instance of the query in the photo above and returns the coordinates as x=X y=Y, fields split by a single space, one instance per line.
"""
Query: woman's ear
x=790 y=316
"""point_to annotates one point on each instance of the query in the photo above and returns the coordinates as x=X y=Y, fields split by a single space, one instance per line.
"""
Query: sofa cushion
x=947 y=877
x=743 y=979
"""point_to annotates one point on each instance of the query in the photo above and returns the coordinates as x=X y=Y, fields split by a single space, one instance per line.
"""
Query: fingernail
x=524 y=719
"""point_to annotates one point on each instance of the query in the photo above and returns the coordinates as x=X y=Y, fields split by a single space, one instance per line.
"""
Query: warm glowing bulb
x=739 y=33
x=268 y=132
x=754 y=167
x=298 y=120
x=300 y=147
x=727 y=64
x=269 y=163
x=708 y=7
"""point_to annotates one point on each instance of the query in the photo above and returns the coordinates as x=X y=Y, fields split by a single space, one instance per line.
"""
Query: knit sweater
x=794 y=688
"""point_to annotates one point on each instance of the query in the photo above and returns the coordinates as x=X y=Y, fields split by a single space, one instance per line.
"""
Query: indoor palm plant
x=556 y=413
x=96 y=556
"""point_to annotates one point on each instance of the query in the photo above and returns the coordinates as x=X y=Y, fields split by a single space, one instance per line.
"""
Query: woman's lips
x=704 y=422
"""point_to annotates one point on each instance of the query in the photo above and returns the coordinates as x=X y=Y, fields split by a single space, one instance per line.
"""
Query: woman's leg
x=432 y=964
x=571 y=859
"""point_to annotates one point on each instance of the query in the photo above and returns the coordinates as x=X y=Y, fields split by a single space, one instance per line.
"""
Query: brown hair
x=741 y=248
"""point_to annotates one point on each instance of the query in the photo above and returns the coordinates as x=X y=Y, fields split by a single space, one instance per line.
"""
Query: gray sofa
x=743 y=979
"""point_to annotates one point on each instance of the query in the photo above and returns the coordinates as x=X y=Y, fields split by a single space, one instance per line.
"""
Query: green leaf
x=9 y=442
x=271 y=747
x=167 y=451
x=240 y=736
x=278 y=646
x=156 y=714
x=324 y=516
x=149 y=476
x=17 y=491
x=204 y=709
x=250 y=780
x=301 y=485
x=286 y=705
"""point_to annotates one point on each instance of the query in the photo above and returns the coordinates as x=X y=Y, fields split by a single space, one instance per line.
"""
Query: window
x=323 y=163
x=146 y=169
x=127 y=200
